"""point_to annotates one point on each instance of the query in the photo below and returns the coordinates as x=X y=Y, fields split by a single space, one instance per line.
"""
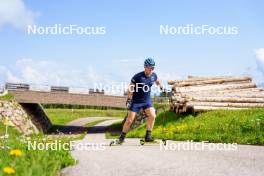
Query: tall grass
x=32 y=162
x=236 y=126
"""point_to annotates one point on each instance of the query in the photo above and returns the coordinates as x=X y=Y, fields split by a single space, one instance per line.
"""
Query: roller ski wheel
x=164 y=142
x=143 y=142
x=116 y=142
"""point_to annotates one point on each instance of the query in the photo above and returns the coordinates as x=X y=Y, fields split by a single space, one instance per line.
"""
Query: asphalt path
x=177 y=158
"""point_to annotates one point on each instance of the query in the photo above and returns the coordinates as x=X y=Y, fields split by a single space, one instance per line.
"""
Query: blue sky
x=132 y=34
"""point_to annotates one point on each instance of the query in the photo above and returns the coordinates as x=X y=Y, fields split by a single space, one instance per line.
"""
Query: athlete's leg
x=134 y=108
x=130 y=118
x=151 y=115
x=151 y=118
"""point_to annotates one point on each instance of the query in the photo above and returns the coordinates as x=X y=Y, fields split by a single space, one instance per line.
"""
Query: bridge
x=69 y=98
x=30 y=101
x=24 y=93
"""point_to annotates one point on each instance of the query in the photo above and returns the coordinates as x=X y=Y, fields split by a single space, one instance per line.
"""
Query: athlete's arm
x=158 y=83
x=130 y=90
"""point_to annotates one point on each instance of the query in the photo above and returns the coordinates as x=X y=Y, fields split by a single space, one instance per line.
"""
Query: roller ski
x=119 y=141
x=143 y=142
x=116 y=142
x=149 y=140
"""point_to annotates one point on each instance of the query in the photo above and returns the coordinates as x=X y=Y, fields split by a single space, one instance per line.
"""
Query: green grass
x=90 y=124
x=64 y=116
x=7 y=97
x=33 y=162
x=225 y=126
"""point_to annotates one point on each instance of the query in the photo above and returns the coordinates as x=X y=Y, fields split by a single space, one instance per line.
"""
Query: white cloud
x=165 y=76
x=16 y=14
x=124 y=69
x=260 y=54
x=6 y=75
x=128 y=61
x=42 y=72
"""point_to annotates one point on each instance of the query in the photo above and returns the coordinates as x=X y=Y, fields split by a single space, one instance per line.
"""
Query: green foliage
x=64 y=116
x=7 y=97
x=32 y=162
x=236 y=126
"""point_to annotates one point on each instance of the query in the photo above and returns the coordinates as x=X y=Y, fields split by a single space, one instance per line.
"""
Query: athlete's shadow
x=66 y=129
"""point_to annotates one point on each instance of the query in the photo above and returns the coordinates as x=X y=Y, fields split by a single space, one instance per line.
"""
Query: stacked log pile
x=208 y=93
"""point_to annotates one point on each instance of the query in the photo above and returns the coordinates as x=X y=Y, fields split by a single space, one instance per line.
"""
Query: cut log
x=224 y=104
x=209 y=93
x=212 y=94
x=190 y=77
x=208 y=82
x=228 y=99
x=230 y=78
x=214 y=87
x=208 y=108
x=244 y=90
x=256 y=89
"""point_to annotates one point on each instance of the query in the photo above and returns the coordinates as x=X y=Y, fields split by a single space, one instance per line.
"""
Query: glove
x=163 y=90
x=128 y=103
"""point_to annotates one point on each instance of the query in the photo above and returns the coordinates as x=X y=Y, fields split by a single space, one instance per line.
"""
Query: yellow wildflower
x=9 y=170
x=6 y=122
x=181 y=127
x=16 y=152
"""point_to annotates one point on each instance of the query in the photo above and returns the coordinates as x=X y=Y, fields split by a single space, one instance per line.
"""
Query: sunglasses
x=152 y=68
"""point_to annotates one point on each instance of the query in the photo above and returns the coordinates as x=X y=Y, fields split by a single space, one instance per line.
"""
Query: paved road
x=85 y=120
x=132 y=159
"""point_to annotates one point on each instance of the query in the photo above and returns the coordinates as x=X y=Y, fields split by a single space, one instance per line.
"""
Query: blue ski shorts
x=135 y=107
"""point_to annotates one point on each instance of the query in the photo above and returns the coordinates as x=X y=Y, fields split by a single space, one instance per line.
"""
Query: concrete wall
x=37 y=116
